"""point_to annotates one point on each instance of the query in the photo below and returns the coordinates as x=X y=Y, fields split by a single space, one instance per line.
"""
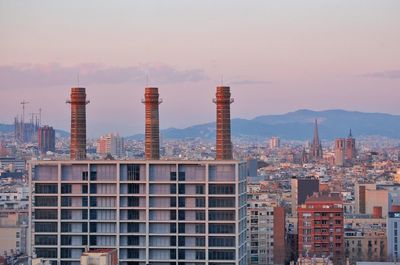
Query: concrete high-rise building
x=301 y=188
x=320 y=227
x=274 y=142
x=223 y=101
x=152 y=212
x=111 y=144
x=152 y=130
x=46 y=139
x=340 y=151
x=252 y=167
x=78 y=123
x=266 y=233
x=316 y=146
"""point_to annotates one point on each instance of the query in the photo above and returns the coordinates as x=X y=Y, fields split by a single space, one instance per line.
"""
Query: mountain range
x=297 y=125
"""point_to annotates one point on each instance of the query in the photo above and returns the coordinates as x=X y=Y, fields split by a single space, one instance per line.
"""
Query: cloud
x=391 y=74
x=25 y=76
x=250 y=82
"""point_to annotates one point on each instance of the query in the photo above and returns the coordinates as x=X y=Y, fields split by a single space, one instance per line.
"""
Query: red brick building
x=320 y=227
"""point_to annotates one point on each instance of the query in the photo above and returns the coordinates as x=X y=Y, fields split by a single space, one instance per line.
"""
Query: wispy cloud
x=390 y=74
x=25 y=76
x=250 y=82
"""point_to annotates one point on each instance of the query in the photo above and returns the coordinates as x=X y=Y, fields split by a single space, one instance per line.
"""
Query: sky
x=277 y=57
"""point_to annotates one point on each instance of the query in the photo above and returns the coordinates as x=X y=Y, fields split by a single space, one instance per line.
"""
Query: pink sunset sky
x=277 y=56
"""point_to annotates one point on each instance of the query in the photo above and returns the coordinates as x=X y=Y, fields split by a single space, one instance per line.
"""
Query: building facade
x=266 y=233
x=393 y=236
x=111 y=144
x=301 y=188
x=320 y=227
x=158 y=212
x=46 y=139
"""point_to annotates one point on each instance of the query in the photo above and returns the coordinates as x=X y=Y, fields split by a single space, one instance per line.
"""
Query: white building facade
x=152 y=212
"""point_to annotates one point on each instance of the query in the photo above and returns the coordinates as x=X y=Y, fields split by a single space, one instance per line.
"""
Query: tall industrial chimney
x=152 y=141
x=223 y=101
x=78 y=123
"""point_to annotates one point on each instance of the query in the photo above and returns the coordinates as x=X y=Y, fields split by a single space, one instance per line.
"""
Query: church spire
x=316 y=147
x=350 y=134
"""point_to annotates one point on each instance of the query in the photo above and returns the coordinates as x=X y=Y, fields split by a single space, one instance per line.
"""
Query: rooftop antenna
x=78 y=78
x=147 y=80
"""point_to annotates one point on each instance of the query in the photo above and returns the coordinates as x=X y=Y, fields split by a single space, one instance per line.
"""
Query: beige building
x=100 y=257
x=12 y=233
x=365 y=237
x=365 y=246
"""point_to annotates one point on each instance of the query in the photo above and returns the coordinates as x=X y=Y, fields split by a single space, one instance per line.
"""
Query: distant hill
x=298 y=125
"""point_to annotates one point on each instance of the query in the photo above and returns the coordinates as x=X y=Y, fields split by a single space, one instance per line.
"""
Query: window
x=133 y=201
x=48 y=240
x=66 y=188
x=46 y=252
x=133 y=172
x=214 y=241
x=133 y=227
x=200 y=254
x=221 y=254
x=200 y=202
x=46 y=188
x=66 y=227
x=221 y=228
x=66 y=201
x=221 y=188
x=221 y=215
x=199 y=189
x=172 y=176
x=181 y=228
x=45 y=227
x=200 y=215
x=172 y=228
x=172 y=241
x=84 y=201
x=172 y=215
x=133 y=241
x=66 y=240
x=93 y=188
x=221 y=202
x=133 y=215
x=181 y=188
x=93 y=175
x=85 y=175
x=182 y=176
x=172 y=202
x=181 y=201
x=45 y=214
x=46 y=201
x=200 y=241
x=172 y=189
x=133 y=188
x=181 y=215
x=200 y=228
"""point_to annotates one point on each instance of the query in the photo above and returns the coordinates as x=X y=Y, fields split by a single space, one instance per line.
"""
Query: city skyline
x=187 y=49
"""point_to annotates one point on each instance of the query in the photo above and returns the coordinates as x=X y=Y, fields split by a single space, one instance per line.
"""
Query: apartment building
x=152 y=212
